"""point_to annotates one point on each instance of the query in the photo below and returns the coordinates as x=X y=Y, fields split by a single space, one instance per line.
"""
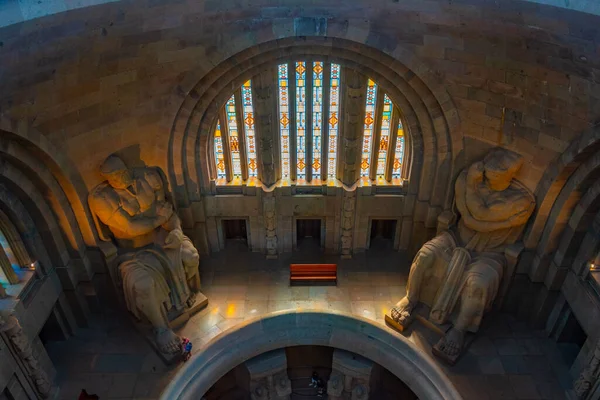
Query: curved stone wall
x=14 y=11
x=291 y=328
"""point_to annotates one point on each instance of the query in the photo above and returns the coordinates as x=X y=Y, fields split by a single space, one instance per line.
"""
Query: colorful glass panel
x=334 y=109
x=398 y=153
x=284 y=119
x=234 y=142
x=370 y=105
x=301 y=119
x=317 y=119
x=248 y=111
x=384 y=141
x=219 y=155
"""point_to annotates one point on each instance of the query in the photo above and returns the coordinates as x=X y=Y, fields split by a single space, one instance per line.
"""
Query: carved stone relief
x=268 y=376
x=348 y=216
x=589 y=376
x=350 y=377
x=270 y=215
x=10 y=326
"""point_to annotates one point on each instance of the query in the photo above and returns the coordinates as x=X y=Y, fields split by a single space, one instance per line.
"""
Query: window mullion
x=325 y=121
x=392 y=145
x=293 y=137
x=376 y=135
x=226 y=148
x=309 y=121
x=239 y=117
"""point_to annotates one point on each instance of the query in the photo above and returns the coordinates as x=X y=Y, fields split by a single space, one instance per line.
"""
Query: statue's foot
x=402 y=312
x=452 y=343
x=168 y=342
x=191 y=300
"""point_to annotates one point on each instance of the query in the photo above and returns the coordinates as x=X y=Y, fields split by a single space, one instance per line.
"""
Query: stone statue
x=157 y=263
x=458 y=273
x=22 y=347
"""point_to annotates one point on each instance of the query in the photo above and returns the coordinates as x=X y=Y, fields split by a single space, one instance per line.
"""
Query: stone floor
x=507 y=360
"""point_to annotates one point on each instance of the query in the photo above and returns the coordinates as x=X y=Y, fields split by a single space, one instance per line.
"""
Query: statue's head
x=114 y=170
x=501 y=166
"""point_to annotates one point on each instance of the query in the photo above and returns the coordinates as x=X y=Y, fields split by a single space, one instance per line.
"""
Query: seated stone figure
x=157 y=263
x=458 y=273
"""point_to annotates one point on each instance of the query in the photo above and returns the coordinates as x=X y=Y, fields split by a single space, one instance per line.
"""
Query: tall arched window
x=13 y=255
x=309 y=121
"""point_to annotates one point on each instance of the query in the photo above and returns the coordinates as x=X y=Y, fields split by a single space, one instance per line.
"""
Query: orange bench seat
x=307 y=273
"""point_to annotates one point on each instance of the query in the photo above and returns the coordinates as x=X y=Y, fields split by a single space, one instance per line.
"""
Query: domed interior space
x=331 y=199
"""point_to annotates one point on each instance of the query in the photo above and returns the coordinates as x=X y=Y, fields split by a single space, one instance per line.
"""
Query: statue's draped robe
x=453 y=271
x=163 y=266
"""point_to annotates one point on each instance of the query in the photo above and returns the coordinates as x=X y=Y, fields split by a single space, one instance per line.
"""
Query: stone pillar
x=7 y=269
x=270 y=216
x=10 y=327
x=589 y=379
x=348 y=216
x=265 y=109
x=350 y=377
x=9 y=234
x=353 y=106
x=268 y=376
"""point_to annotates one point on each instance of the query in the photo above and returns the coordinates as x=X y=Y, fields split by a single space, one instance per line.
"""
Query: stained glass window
x=334 y=109
x=248 y=117
x=301 y=119
x=384 y=141
x=399 y=153
x=369 y=125
x=234 y=142
x=219 y=155
x=317 y=118
x=322 y=118
x=284 y=119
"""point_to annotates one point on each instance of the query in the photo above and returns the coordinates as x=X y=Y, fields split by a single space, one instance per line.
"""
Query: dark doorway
x=383 y=232
x=235 y=233
x=308 y=233
x=570 y=339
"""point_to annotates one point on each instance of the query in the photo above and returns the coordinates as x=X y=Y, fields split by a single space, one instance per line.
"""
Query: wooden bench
x=313 y=274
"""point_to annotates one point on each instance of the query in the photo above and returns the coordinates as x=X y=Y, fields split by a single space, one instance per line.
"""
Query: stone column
x=10 y=327
x=270 y=216
x=348 y=216
x=350 y=377
x=14 y=241
x=589 y=377
x=267 y=139
x=353 y=107
x=7 y=268
x=268 y=376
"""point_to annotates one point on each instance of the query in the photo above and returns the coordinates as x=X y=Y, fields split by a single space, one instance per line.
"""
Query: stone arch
x=34 y=202
x=14 y=240
x=555 y=178
x=58 y=165
x=289 y=328
x=433 y=123
x=18 y=214
x=576 y=185
x=42 y=178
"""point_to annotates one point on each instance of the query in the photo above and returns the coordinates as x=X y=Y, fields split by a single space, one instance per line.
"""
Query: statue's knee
x=424 y=258
x=144 y=286
x=475 y=287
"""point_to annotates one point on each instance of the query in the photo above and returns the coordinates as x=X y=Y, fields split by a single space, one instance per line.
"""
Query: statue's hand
x=174 y=239
x=164 y=210
x=475 y=174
